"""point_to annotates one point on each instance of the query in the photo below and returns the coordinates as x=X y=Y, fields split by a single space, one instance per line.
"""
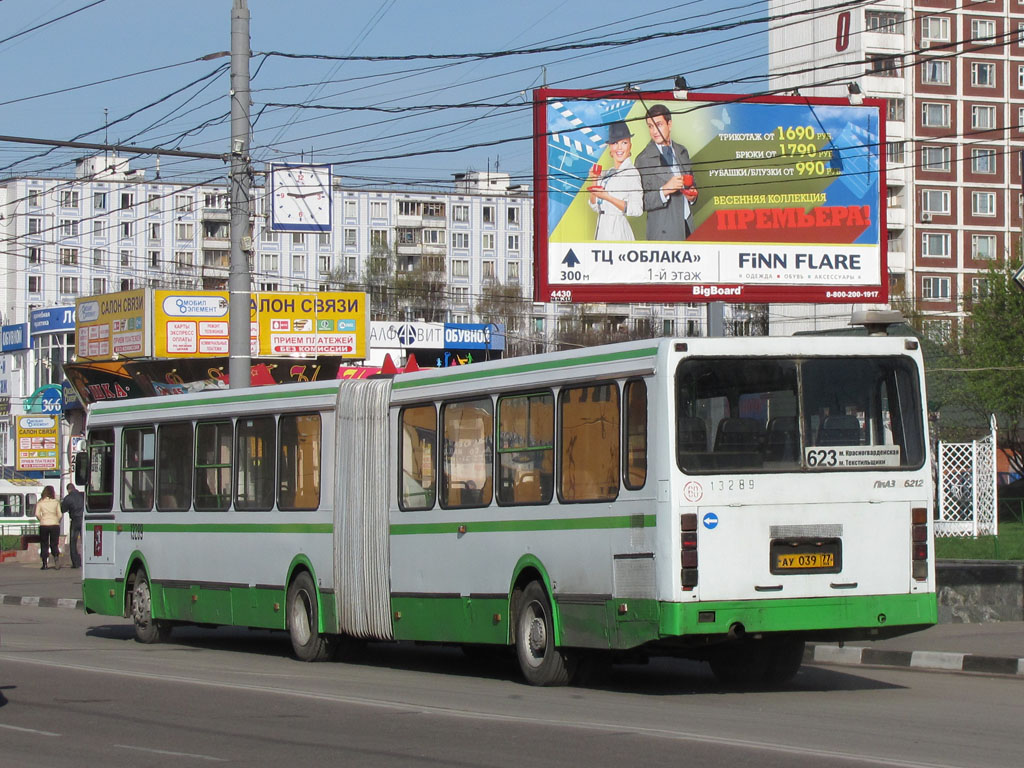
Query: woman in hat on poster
x=617 y=193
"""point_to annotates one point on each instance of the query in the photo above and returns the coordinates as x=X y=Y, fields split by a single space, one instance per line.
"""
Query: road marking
x=172 y=754
x=28 y=730
x=440 y=711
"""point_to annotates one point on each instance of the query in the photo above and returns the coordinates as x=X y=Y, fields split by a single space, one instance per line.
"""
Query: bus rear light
x=920 y=533
x=689 y=559
x=919 y=543
x=688 y=576
x=689 y=540
x=688 y=545
x=920 y=552
x=688 y=521
x=919 y=570
x=919 y=516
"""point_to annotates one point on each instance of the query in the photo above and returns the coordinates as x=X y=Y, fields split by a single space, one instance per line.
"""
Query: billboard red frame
x=785 y=198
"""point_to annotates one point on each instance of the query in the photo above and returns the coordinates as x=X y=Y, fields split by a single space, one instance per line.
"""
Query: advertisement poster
x=112 y=326
x=37 y=439
x=645 y=197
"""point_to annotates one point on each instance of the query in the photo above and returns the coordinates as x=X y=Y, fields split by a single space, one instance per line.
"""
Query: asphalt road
x=77 y=690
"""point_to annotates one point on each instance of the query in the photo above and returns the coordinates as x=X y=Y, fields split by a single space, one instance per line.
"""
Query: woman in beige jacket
x=49 y=514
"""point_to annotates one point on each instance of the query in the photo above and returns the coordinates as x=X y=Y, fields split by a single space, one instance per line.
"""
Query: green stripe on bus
x=218 y=527
x=272 y=393
x=508 y=526
x=470 y=372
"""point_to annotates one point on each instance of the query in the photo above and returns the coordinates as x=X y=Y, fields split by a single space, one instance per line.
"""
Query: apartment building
x=952 y=77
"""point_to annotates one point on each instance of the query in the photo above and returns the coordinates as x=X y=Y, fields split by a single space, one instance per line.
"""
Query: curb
x=936 y=661
x=43 y=602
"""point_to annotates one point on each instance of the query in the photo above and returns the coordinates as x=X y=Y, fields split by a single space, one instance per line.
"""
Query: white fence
x=967 y=488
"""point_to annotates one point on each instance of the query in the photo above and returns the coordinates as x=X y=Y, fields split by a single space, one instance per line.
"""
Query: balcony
x=216 y=214
x=883 y=87
x=897 y=261
x=896 y=218
x=405 y=220
x=895 y=130
x=883 y=42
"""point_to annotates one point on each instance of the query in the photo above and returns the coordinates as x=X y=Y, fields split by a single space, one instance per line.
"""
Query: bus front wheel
x=540 y=660
x=147 y=629
x=304 y=621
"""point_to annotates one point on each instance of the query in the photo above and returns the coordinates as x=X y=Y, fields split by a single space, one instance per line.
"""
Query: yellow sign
x=196 y=324
x=113 y=325
x=37 y=440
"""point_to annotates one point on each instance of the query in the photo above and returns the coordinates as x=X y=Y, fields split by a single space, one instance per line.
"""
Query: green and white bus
x=717 y=499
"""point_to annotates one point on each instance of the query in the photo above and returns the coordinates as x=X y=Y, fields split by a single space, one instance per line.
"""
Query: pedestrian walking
x=74 y=505
x=48 y=513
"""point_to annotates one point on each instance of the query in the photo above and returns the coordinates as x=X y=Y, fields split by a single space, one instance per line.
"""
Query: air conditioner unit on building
x=926 y=217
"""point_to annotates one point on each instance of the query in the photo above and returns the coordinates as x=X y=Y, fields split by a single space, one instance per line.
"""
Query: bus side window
x=526 y=448
x=174 y=467
x=99 y=495
x=635 y=437
x=298 y=462
x=468 y=439
x=213 y=465
x=589 y=443
x=417 y=451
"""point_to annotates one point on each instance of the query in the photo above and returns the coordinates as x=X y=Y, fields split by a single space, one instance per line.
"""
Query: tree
x=993 y=354
x=505 y=304
x=422 y=290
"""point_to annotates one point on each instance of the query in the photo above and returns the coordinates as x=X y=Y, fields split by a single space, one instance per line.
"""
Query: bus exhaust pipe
x=737 y=631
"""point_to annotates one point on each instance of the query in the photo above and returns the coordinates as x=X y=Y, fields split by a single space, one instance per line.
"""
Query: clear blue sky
x=122 y=37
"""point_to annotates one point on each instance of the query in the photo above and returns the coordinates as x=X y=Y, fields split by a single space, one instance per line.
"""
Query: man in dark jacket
x=74 y=505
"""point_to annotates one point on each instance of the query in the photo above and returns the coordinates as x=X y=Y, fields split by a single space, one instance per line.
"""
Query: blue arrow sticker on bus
x=710 y=521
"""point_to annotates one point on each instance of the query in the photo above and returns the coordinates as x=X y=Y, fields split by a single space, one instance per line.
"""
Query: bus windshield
x=792 y=414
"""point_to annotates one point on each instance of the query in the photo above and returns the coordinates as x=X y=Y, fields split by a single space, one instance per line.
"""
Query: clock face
x=301 y=198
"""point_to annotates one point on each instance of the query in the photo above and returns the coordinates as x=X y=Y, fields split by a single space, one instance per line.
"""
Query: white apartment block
x=110 y=229
x=952 y=76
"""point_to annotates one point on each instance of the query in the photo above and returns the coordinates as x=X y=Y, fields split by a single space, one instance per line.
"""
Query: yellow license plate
x=805 y=560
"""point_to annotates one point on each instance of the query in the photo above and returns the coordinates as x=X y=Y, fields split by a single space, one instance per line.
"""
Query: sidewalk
x=995 y=648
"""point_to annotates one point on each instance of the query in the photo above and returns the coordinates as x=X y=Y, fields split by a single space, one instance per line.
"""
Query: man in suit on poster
x=667 y=177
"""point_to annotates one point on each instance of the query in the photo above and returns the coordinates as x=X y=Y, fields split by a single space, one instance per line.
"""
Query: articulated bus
x=716 y=499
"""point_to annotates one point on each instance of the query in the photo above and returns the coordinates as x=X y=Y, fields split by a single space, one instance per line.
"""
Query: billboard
x=646 y=197
x=37 y=438
x=113 y=325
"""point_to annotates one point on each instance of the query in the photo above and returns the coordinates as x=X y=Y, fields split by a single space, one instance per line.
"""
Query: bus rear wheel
x=303 y=619
x=147 y=629
x=541 y=662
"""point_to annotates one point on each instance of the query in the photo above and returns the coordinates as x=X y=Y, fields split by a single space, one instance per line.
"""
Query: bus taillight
x=919 y=543
x=688 y=528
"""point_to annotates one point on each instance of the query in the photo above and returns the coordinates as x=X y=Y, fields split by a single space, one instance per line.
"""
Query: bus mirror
x=82 y=470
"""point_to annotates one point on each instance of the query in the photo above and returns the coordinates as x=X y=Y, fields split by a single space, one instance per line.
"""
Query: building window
x=935 y=28
x=35 y=284
x=351 y=265
x=378 y=209
x=983 y=160
x=127 y=201
x=983 y=75
x=979 y=287
x=512 y=272
x=99 y=285
x=488 y=270
x=460 y=295
x=98 y=229
x=97 y=257
x=69 y=286
x=350 y=238
x=183 y=259
x=153 y=204
x=69 y=198
x=935 y=72
x=895 y=109
x=69 y=257
x=488 y=241
x=935 y=158
x=935 y=115
x=270 y=262
x=99 y=201
x=460 y=267
x=378 y=238
x=325 y=263
x=126 y=258
x=35 y=255
x=323 y=240
x=408 y=208
x=883 y=21
x=983 y=203
x=69 y=227
x=35 y=226
x=488 y=214
x=154 y=259
x=513 y=217
x=512 y=243
x=983 y=246
x=935 y=201
x=154 y=231
x=939 y=331
x=434 y=237
x=298 y=264
x=460 y=240
x=884 y=66
x=935 y=244
x=34 y=196
x=935 y=288
x=983 y=117
x=351 y=209
x=982 y=29
x=894 y=152
x=299 y=239
x=126 y=229
x=184 y=203
x=434 y=210
x=460 y=214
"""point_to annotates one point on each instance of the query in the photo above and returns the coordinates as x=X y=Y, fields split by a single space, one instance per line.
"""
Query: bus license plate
x=805 y=560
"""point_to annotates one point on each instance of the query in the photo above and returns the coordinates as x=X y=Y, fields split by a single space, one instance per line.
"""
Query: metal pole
x=239 y=279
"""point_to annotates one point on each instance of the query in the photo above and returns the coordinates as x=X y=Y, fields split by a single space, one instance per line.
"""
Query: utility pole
x=241 y=240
